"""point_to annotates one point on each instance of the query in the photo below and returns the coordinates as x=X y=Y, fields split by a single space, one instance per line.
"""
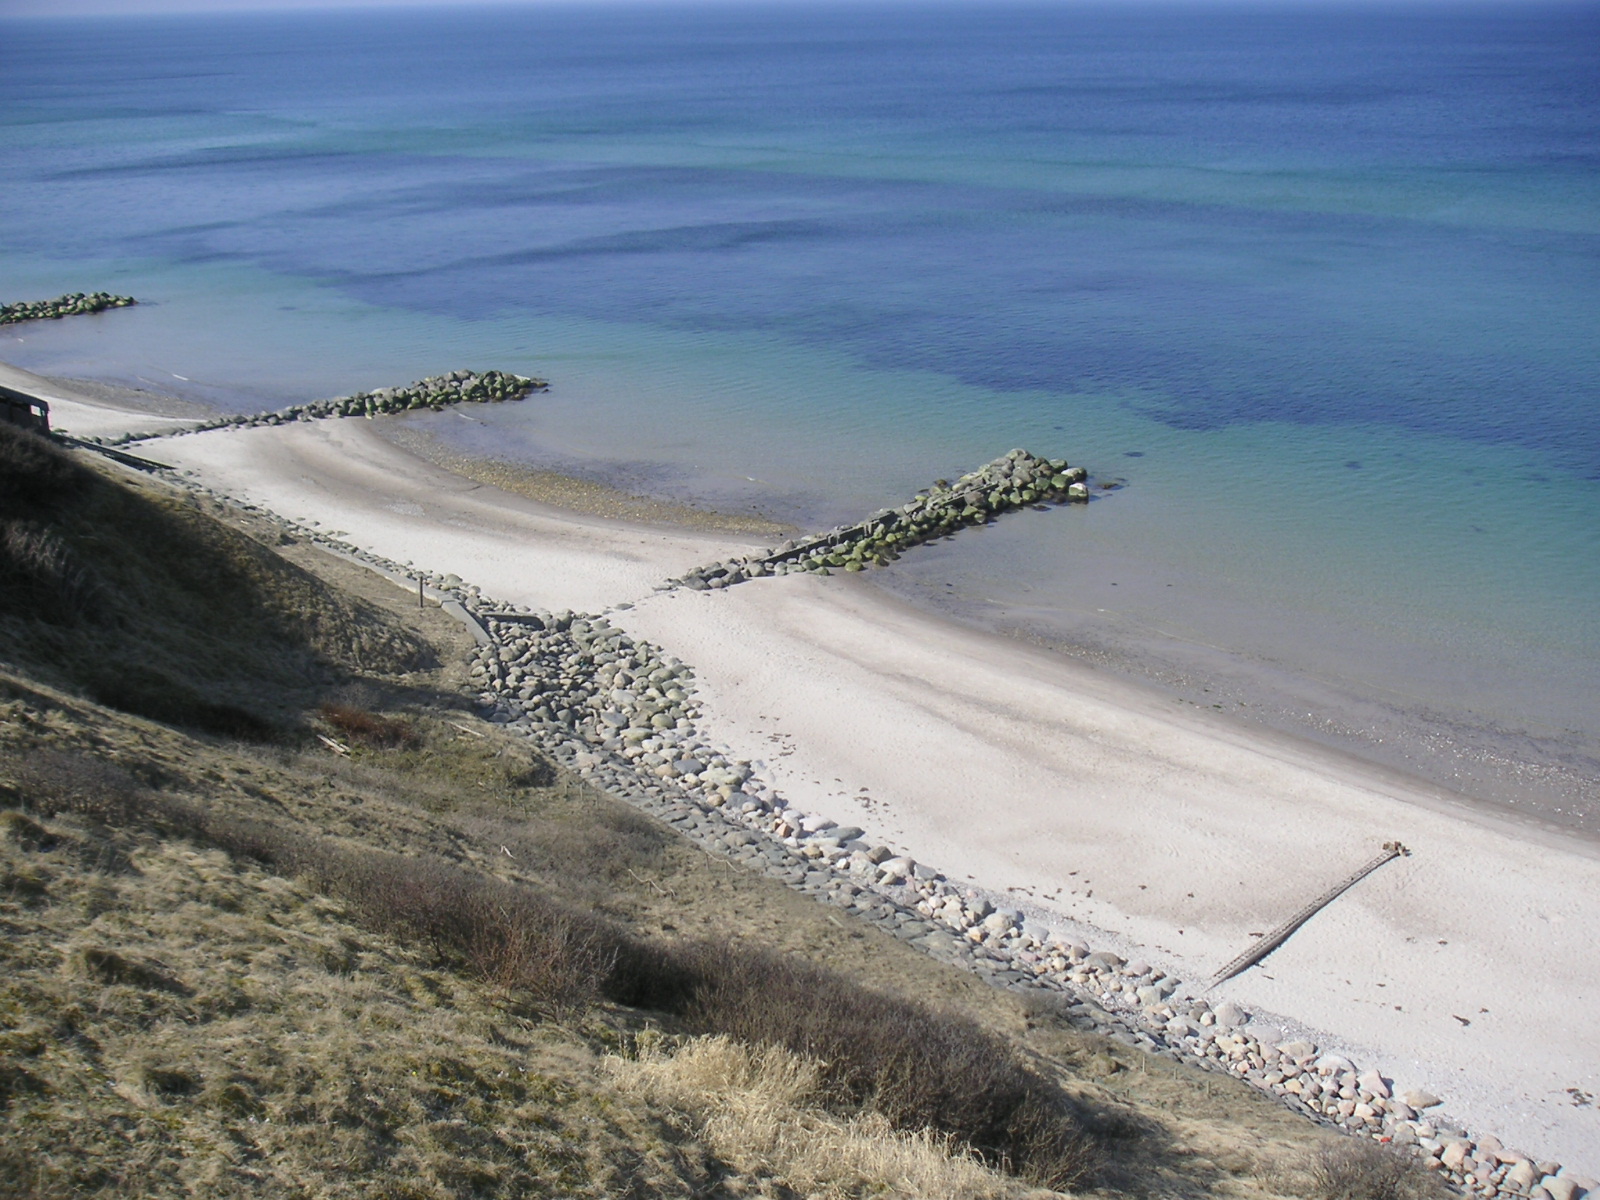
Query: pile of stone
x=1014 y=481
x=71 y=305
x=592 y=679
x=435 y=392
x=622 y=712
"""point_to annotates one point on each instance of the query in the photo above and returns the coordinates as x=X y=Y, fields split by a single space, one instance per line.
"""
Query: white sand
x=1178 y=830
x=82 y=415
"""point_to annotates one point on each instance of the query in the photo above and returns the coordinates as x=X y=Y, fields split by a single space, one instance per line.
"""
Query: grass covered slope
x=127 y=590
x=549 y=937
x=439 y=967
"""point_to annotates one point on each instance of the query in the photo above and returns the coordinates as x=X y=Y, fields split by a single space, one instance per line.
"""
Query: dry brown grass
x=761 y=1109
x=34 y=472
x=910 y=1065
x=188 y=1025
x=369 y=729
x=1350 y=1169
x=132 y=594
x=235 y=1032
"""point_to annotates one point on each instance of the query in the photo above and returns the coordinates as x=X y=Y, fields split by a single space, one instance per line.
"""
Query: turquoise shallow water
x=1320 y=286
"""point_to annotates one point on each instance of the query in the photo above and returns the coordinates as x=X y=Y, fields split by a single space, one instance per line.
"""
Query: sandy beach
x=1106 y=809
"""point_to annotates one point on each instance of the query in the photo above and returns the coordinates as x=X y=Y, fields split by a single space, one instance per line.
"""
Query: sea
x=1313 y=291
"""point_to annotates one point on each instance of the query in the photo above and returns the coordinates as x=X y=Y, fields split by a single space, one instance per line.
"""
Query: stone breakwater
x=436 y=392
x=622 y=713
x=71 y=305
x=1016 y=480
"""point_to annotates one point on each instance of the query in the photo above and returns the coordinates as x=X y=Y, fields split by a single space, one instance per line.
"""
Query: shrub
x=1355 y=1169
x=369 y=729
x=512 y=937
x=51 y=781
x=918 y=1067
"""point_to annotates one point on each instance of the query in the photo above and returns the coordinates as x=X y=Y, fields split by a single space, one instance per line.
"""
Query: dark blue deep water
x=1322 y=284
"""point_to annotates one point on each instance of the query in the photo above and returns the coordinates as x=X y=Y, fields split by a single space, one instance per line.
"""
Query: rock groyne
x=71 y=305
x=436 y=392
x=1013 y=481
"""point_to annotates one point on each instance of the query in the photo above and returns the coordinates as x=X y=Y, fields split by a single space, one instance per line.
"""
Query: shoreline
x=838 y=690
x=569 y=493
x=1389 y=734
x=1487 y=745
x=1307 y=678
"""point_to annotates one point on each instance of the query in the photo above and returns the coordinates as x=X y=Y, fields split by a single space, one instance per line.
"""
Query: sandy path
x=1116 y=807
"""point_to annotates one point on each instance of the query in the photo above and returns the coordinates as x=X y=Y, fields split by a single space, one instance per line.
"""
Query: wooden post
x=420 y=603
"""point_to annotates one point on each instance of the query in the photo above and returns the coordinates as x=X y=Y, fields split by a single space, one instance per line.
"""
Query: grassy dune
x=237 y=963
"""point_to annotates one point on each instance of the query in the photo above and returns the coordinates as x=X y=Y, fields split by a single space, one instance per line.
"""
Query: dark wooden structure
x=19 y=408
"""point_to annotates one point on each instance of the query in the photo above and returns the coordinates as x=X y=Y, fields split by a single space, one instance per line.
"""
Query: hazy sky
x=68 y=7
x=85 y=7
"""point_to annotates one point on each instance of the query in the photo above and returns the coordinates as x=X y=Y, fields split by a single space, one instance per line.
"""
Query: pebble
x=1375 y=1084
x=1230 y=1015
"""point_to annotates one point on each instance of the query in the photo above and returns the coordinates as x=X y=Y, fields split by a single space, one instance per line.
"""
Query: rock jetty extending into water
x=71 y=305
x=1015 y=480
x=436 y=392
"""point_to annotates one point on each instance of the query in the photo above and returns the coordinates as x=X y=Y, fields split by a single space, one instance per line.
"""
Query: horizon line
x=46 y=9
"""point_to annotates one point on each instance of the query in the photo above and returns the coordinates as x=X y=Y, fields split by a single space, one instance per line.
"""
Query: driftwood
x=336 y=747
x=1271 y=941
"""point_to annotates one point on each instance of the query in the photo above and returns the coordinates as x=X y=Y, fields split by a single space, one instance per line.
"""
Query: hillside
x=239 y=962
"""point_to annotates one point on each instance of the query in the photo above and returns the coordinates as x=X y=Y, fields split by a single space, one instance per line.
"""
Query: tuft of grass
x=369 y=729
x=110 y=967
x=1356 y=1169
x=24 y=832
x=761 y=1108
